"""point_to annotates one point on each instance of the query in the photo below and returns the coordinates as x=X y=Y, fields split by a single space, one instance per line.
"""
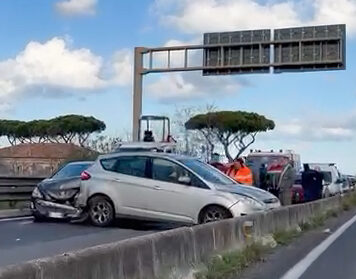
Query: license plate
x=55 y=215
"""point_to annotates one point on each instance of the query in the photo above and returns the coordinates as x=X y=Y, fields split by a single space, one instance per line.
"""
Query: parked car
x=55 y=197
x=297 y=190
x=165 y=187
x=220 y=166
x=345 y=184
x=332 y=182
x=352 y=181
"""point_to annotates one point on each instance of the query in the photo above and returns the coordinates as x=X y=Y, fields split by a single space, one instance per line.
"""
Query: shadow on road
x=129 y=224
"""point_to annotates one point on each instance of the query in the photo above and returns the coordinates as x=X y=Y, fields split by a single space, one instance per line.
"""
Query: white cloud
x=122 y=65
x=340 y=11
x=77 y=7
x=201 y=16
x=179 y=87
x=315 y=129
x=50 y=64
x=171 y=86
x=54 y=67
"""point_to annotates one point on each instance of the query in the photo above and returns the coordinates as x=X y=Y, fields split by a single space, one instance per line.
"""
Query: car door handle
x=117 y=179
x=157 y=188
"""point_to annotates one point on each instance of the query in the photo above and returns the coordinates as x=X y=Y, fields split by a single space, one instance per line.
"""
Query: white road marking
x=26 y=222
x=299 y=269
x=16 y=219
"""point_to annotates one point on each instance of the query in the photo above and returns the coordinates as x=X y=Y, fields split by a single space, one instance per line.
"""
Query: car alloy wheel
x=101 y=211
x=213 y=214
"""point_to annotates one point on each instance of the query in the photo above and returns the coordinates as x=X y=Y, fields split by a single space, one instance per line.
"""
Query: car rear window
x=71 y=170
x=128 y=165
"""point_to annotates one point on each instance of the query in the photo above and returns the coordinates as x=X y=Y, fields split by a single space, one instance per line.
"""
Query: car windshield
x=206 y=172
x=327 y=176
x=71 y=170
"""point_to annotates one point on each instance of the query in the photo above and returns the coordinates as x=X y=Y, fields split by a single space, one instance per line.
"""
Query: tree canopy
x=67 y=129
x=237 y=128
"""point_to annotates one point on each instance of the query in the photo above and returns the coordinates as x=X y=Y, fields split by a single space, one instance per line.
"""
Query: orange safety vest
x=242 y=175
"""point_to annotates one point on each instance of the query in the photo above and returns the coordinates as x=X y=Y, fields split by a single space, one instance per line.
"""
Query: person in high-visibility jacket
x=240 y=172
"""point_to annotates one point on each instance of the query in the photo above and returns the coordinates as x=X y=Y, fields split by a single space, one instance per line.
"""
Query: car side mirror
x=184 y=180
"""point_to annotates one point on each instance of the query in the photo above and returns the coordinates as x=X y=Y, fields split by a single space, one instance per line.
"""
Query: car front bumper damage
x=54 y=210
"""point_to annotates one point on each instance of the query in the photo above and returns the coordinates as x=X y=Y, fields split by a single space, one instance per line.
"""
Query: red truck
x=274 y=162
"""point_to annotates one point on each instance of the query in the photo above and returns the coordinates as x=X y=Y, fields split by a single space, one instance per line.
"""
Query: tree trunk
x=243 y=146
x=227 y=152
x=12 y=140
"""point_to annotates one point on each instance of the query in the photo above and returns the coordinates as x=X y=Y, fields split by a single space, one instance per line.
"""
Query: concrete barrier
x=14 y=213
x=161 y=254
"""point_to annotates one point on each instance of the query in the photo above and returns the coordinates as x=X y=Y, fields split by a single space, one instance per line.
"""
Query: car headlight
x=254 y=204
x=37 y=194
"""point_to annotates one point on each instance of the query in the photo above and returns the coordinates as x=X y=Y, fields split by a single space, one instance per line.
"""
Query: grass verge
x=285 y=237
x=231 y=264
x=349 y=202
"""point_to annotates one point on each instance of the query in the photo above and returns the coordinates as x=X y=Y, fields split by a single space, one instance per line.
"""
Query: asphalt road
x=339 y=259
x=328 y=252
x=24 y=240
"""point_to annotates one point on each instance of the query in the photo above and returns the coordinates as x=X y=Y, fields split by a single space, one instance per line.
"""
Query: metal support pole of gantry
x=137 y=91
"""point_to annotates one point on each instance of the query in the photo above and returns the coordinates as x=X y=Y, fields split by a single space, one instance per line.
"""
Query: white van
x=332 y=181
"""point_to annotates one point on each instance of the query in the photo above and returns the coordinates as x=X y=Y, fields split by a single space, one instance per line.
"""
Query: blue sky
x=59 y=57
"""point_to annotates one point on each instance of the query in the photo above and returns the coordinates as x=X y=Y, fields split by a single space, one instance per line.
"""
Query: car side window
x=165 y=170
x=108 y=164
x=128 y=165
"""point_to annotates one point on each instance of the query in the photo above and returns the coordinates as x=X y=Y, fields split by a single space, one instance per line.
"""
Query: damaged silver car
x=55 y=197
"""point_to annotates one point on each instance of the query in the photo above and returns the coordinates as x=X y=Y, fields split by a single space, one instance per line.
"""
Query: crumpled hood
x=59 y=184
x=249 y=191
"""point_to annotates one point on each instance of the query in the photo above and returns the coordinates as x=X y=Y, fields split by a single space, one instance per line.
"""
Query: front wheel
x=213 y=214
x=101 y=211
x=38 y=218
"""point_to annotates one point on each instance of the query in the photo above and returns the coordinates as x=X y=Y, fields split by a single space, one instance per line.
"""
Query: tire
x=38 y=218
x=213 y=213
x=101 y=211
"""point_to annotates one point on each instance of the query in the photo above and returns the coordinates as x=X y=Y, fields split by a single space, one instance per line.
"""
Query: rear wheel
x=101 y=211
x=214 y=213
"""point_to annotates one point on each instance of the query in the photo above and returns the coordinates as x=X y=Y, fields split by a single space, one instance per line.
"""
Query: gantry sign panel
x=301 y=49
x=309 y=48
x=237 y=52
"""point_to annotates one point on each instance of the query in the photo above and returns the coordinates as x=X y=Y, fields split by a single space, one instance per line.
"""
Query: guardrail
x=16 y=191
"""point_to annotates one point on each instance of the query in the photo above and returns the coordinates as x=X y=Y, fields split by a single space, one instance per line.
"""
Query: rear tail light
x=85 y=176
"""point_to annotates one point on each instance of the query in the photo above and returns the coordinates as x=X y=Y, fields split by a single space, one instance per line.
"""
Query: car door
x=130 y=184
x=173 y=199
